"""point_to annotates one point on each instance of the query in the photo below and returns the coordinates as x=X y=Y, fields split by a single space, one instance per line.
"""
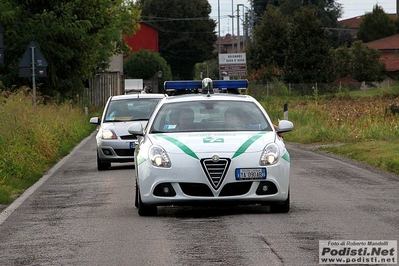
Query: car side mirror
x=136 y=129
x=95 y=120
x=285 y=126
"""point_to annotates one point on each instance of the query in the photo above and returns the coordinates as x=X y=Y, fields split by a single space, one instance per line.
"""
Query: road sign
x=33 y=64
x=33 y=56
x=232 y=64
x=232 y=59
x=228 y=73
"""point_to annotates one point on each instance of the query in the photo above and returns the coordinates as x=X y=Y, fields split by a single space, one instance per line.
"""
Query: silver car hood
x=120 y=128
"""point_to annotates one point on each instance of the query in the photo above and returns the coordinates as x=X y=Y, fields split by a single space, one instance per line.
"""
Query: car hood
x=120 y=128
x=226 y=142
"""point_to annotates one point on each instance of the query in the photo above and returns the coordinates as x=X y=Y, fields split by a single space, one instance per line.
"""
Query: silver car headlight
x=269 y=155
x=158 y=157
x=108 y=134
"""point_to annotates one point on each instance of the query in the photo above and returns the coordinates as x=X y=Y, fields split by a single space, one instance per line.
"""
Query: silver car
x=114 y=143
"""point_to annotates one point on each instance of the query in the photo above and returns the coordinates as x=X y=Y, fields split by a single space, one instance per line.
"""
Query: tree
x=186 y=34
x=366 y=64
x=308 y=56
x=76 y=38
x=343 y=62
x=207 y=69
x=144 y=64
x=376 y=25
x=267 y=51
x=259 y=7
x=327 y=11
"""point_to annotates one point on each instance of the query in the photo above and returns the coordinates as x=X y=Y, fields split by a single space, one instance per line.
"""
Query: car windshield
x=130 y=109
x=206 y=116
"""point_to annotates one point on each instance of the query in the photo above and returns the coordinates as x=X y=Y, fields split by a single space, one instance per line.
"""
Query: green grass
x=379 y=153
x=360 y=120
x=33 y=139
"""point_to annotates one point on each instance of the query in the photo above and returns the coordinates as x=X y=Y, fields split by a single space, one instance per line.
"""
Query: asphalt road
x=76 y=215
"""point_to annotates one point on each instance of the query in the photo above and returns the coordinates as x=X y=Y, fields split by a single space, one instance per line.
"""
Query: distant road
x=80 y=216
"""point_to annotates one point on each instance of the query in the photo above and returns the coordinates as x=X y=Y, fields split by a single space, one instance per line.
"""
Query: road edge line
x=28 y=192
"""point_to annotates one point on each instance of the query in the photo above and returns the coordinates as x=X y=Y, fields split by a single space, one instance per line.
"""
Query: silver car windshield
x=130 y=109
x=207 y=116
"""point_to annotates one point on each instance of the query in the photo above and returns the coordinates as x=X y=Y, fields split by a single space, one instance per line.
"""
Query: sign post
x=33 y=64
x=232 y=65
x=1 y=45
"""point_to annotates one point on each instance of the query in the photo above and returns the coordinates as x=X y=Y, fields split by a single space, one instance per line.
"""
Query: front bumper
x=115 y=150
x=188 y=183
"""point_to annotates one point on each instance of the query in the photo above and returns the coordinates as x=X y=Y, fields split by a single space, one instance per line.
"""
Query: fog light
x=166 y=190
x=107 y=152
x=266 y=188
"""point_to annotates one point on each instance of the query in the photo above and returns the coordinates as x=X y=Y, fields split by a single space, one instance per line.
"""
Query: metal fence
x=280 y=88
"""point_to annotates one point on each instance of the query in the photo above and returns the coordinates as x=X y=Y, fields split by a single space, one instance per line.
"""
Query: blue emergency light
x=189 y=85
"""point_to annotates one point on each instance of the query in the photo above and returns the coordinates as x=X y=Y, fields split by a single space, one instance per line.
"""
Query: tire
x=145 y=209
x=281 y=207
x=136 y=198
x=101 y=165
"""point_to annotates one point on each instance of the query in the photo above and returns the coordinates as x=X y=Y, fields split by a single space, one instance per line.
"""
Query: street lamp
x=238 y=28
x=245 y=22
x=219 y=48
x=232 y=26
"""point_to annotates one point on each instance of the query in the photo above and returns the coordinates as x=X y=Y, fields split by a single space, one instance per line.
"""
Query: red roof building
x=353 y=24
x=145 y=38
x=230 y=44
x=389 y=48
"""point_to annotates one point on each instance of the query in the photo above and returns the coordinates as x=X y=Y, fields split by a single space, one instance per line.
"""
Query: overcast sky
x=351 y=8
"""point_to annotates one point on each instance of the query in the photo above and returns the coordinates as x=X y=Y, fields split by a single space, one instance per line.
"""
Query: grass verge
x=34 y=138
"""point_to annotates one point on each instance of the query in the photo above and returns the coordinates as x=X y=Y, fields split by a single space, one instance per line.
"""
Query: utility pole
x=232 y=26
x=238 y=29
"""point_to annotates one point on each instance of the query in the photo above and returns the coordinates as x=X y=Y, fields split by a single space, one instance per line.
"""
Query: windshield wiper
x=139 y=119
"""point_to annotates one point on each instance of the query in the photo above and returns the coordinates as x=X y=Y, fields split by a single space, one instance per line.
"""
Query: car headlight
x=108 y=134
x=158 y=157
x=269 y=155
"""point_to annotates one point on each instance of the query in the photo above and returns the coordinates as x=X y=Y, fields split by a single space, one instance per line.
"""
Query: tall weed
x=34 y=138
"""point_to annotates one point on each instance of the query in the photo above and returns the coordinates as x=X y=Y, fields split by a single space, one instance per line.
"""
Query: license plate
x=250 y=173
x=132 y=144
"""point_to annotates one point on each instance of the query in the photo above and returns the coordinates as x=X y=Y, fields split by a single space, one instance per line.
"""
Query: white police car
x=114 y=143
x=210 y=149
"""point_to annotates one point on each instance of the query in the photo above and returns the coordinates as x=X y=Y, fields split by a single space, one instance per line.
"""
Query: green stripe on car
x=140 y=160
x=248 y=143
x=181 y=145
x=286 y=156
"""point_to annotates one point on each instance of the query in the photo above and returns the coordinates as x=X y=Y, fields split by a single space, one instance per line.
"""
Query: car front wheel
x=136 y=198
x=102 y=165
x=281 y=207
x=145 y=209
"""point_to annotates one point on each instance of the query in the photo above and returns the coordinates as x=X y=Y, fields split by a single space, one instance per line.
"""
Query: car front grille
x=128 y=137
x=197 y=190
x=235 y=189
x=124 y=152
x=215 y=170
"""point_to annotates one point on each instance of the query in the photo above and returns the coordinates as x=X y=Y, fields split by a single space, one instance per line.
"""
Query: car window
x=130 y=109
x=203 y=116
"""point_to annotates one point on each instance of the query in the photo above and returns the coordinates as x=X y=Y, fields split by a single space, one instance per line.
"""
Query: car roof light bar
x=197 y=84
